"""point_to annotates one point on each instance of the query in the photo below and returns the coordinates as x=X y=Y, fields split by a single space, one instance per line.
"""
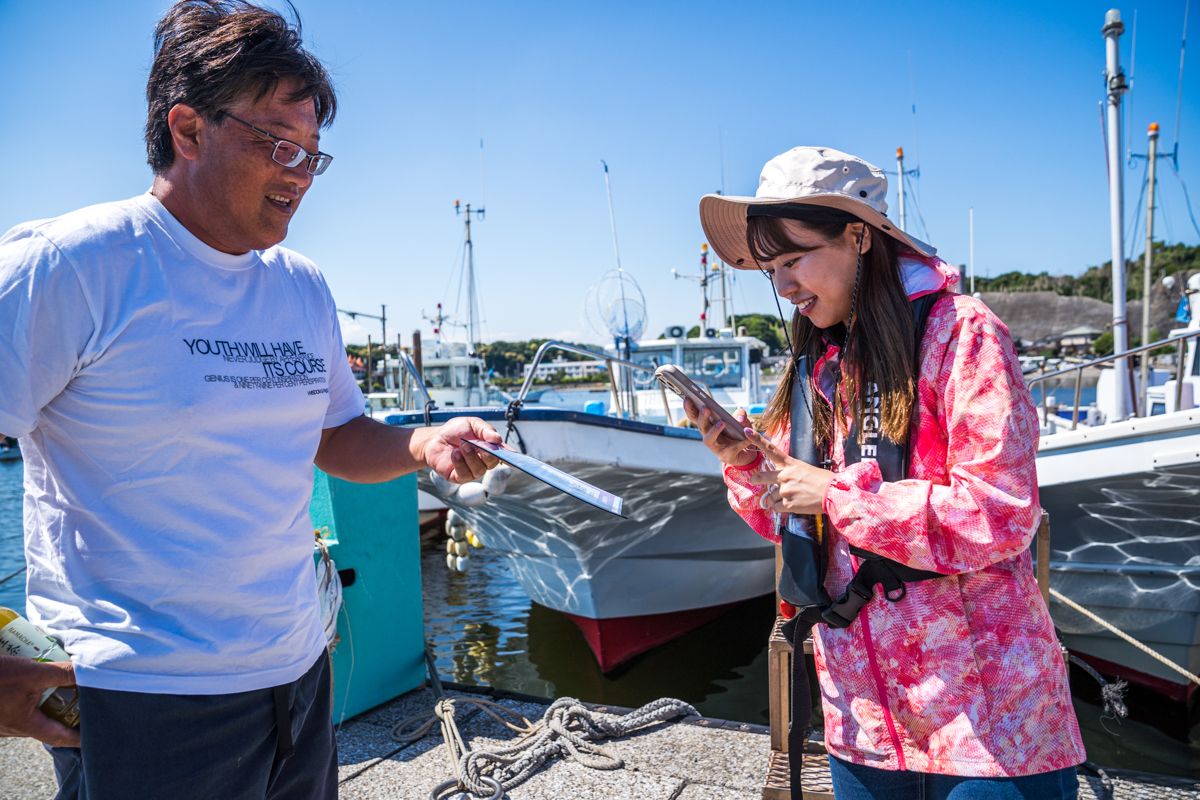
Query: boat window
x=460 y=376
x=384 y=402
x=714 y=366
x=652 y=359
x=437 y=377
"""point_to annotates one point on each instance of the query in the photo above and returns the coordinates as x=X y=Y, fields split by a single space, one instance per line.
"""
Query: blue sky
x=680 y=98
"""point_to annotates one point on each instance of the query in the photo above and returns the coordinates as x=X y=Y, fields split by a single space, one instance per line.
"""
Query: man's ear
x=185 y=125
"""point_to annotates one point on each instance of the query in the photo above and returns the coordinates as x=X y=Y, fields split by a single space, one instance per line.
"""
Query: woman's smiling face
x=817 y=275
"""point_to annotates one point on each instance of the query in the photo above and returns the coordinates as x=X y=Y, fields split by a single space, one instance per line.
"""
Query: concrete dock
x=690 y=759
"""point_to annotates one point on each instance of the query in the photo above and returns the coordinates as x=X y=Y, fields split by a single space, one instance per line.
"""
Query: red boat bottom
x=617 y=639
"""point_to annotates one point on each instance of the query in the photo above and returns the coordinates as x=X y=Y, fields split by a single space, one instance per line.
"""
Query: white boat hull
x=681 y=548
x=1124 y=504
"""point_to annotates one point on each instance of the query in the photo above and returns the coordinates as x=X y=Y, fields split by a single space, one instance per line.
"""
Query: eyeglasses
x=287 y=152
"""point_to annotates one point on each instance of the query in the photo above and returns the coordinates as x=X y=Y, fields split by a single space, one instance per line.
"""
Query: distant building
x=562 y=368
x=1077 y=340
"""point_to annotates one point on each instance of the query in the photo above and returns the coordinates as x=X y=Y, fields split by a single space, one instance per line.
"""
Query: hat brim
x=724 y=221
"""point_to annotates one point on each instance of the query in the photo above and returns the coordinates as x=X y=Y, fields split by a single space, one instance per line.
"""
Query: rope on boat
x=1112 y=694
x=10 y=576
x=1108 y=626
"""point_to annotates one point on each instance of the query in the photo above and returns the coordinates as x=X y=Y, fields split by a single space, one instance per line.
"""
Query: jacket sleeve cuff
x=751 y=466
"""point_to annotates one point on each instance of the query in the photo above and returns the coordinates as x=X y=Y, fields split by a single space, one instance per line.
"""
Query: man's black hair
x=210 y=53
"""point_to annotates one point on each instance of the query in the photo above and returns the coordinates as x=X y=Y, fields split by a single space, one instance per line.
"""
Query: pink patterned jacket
x=964 y=675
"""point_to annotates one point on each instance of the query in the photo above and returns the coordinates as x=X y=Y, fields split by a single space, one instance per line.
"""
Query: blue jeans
x=272 y=744
x=856 y=782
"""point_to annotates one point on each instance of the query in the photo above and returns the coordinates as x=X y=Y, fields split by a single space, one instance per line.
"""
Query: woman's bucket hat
x=814 y=176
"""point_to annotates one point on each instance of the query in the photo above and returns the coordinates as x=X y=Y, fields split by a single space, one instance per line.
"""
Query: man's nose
x=299 y=176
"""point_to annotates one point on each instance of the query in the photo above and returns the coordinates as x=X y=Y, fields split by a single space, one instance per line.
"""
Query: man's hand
x=446 y=452
x=22 y=682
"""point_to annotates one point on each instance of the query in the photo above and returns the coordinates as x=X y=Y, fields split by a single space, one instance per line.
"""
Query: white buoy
x=460 y=564
x=472 y=494
x=495 y=480
x=450 y=560
x=461 y=549
x=456 y=526
x=443 y=487
x=450 y=545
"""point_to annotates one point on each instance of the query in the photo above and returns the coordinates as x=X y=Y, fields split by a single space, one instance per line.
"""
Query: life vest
x=802 y=579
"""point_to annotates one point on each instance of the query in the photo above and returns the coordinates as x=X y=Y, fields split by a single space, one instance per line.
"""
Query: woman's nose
x=784 y=282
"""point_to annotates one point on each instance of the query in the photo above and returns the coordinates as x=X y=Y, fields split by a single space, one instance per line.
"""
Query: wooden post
x=1043 y=558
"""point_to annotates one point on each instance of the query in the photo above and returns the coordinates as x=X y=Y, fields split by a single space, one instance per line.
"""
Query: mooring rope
x=568 y=730
x=1108 y=626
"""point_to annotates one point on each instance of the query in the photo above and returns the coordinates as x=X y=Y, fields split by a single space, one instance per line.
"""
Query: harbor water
x=485 y=631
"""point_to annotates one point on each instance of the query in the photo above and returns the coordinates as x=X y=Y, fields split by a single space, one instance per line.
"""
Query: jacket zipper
x=879 y=687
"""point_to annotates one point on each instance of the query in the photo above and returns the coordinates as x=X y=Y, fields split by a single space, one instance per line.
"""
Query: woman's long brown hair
x=880 y=347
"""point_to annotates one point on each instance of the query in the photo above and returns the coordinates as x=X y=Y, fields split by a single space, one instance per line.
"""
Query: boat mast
x=1116 y=86
x=472 y=295
x=900 y=184
x=1145 y=372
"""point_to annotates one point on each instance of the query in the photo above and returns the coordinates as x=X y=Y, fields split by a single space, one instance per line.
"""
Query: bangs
x=766 y=238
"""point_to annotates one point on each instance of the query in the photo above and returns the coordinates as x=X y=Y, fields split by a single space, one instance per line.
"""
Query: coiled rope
x=568 y=730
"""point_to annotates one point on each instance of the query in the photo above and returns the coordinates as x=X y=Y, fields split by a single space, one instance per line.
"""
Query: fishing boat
x=1121 y=481
x=679 y=559
x=1123 y=494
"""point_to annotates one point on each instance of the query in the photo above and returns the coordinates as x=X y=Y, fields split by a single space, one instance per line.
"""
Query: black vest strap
x=804 y=557
x=892 y=457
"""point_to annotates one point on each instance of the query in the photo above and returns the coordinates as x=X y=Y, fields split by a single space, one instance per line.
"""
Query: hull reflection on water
x=1125 y=544
x=679 y=560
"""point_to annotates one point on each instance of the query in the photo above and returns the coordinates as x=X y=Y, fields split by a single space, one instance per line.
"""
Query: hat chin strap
x=853 y=298
x=862 y=232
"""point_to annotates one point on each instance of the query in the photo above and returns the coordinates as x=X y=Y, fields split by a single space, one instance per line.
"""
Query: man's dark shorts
x=204 y=747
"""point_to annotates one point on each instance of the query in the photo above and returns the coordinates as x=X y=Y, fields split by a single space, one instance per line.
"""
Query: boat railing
x=413 y=385
x=1142 y=410
x=610 y=362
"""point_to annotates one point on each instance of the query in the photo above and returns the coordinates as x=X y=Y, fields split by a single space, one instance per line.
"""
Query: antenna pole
x=624 y=342
x=1116 y=86
x=971 y=251
x=900 y=184
x=1153 y=135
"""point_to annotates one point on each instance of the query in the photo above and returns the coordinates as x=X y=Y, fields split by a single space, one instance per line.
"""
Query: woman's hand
x=729 y=450
x=793 y=486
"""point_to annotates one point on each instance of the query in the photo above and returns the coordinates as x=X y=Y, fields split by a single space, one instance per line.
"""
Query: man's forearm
x=366 y=451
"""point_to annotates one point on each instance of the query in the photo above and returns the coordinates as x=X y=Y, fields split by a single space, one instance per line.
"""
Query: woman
x=951 y=685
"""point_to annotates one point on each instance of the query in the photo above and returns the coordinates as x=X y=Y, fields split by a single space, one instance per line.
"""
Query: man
x=173 y=375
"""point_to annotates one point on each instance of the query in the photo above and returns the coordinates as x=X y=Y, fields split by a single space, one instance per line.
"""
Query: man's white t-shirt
x=169 y=399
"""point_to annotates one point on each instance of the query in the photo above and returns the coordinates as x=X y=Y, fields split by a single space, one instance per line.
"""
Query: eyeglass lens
x=290 y=154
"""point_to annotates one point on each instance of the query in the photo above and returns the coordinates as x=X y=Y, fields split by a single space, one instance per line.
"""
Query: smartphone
x=678 y=382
